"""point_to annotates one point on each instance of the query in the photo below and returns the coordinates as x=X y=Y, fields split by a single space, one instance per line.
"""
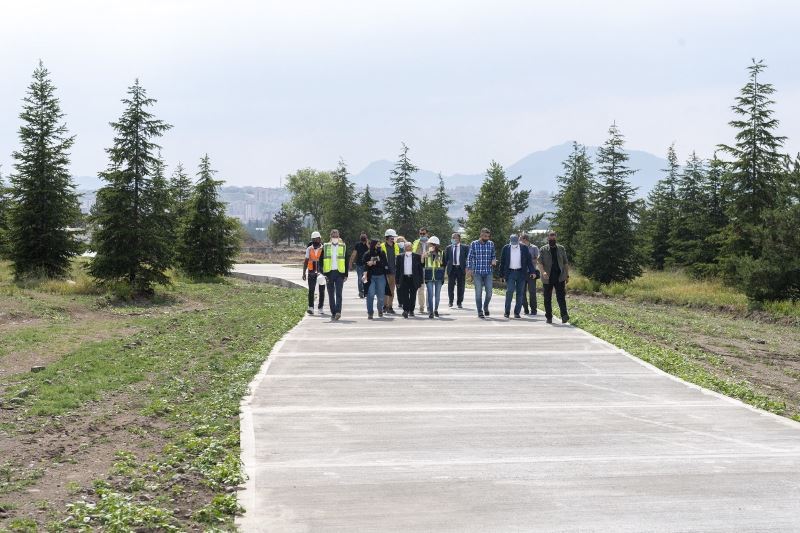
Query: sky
x=268 y=87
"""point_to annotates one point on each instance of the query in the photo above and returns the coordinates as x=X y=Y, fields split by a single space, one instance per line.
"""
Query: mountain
x=538 y=170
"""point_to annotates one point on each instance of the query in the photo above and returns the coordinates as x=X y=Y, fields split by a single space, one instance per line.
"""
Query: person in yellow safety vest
x=433 y=263
x=334 y=268
x=420 y=246
x=392 y=250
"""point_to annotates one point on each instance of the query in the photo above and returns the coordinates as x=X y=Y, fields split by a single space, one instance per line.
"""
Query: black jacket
x=462 y=260
x=528 y=267
x=416 y=269
x=380 y=268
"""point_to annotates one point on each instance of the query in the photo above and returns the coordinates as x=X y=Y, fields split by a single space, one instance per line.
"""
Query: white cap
x=390 y=233
x=433 y=240
x=316 y=235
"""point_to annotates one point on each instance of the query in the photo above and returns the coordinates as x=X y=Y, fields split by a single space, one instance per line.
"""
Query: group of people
x=414 y=273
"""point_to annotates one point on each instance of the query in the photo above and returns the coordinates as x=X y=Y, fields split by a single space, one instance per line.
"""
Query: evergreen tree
x=181 y=188
x=690 y=224
x=661 y=212
x=608 y=245
x=401 y=207
x=755 y=182
x=572 y=200
x=342 y=211
x=433 y=213
x=287 y=224
x=3 y=217
x=496 y=206
x=161 y=223
x=43 y=200
x=370 y=214
x=128 y=249
x=210 y=240
x=310 y=189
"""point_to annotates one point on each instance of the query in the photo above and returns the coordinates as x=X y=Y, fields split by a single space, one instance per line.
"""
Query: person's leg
x=561 y=297
x=412 y=298
x=371 y=292
x=547 y=292
x=478 y=281
x=421 y=298
x=521 y=290
x=360 y=272
x=390 y=289
x=511 y=287
x=331 y=286
x=429 y=287
x=487 y=283
x=451 y=285
x=461 y=281
x=532 y=295
x=525 y=281
x=312 y=288
x=321 y=303
x=339 y=289
x=437 y=286
x=380 y=288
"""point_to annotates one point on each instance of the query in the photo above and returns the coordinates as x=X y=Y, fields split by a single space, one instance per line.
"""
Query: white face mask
x=408 y=253
x=334 y=240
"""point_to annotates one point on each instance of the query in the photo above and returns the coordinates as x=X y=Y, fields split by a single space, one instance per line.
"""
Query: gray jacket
x=546 y=262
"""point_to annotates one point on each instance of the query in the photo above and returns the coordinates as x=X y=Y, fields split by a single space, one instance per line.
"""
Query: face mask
x=552 y=242
x=335 y=240
x=514 y=241
x=315 y=243
x=363 y=239
x=408 y=253
x=452 y=241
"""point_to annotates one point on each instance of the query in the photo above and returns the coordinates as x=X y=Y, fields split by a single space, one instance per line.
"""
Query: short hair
x=525 y=237
x=408 y=243
x=551 y=231
x=485 y=230
x=456 y=233
x=334 y=231
x=423 y=228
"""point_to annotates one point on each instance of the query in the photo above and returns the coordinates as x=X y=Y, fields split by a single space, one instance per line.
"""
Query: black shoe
x=486 y=312
x=450 y=304
x=430 y=315
x=405 y=314
x=436 y=314
x=516 y=315
x=391 y=311
x=549 y=320
x=480 y=315
x=506 y=315
x=460 y=306
x=380 y=314
x=360 y=294
x=411 y=313
x=369 y=316
x=564 y=319
x=534 y=312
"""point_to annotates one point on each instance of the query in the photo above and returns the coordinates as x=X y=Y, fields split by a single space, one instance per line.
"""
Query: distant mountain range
x=538 y=171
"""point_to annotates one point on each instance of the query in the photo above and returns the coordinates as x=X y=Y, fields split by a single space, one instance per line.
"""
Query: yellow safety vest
x=340 y=258
x=396 y=248
x=431 y=264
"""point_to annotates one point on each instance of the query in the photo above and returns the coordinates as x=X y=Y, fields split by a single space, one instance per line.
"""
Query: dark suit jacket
x=416 y=269
x=525 y=258
x=462 y=260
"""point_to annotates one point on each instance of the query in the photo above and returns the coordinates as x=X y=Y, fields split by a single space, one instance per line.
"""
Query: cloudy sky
x=266 y=87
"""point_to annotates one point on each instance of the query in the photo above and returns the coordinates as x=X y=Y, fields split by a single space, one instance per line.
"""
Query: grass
x=187 y=365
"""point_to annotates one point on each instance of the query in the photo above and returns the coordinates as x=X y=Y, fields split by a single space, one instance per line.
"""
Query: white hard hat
x=390 y=233
x=316 y=235
x=433 y=240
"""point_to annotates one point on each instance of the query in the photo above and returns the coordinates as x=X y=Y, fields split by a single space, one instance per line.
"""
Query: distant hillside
x=538 y=171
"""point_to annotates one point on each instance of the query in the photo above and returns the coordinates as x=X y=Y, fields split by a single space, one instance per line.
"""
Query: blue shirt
x=481 y=255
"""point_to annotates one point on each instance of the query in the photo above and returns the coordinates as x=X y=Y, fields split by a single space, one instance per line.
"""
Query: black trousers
x=312 y=285
x=530 y=297
x=561 y=297
x=407 y=293
x=457 y=277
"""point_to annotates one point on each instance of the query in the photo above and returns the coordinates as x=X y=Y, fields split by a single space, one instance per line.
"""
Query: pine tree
x=210 y=240
x=287 y=224
x=755 y=182
x=496 y=206
x=572 y=200
x=128 y=249
x=4 y=200
x=181 y=189
x=401 y=207
x=370 y=214
x=661 y=212
x=690 y=222
x=608 y=245
x=433 y=213
x=161 y=225
x=342 y=211
x=43 y=200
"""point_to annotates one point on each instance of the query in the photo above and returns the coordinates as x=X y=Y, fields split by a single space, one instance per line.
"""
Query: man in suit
x=409 y=278
x=455 y=263
x=516 y=267
x=555 y=274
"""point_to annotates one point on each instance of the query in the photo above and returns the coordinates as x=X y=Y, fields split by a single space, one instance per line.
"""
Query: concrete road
x=462 y=424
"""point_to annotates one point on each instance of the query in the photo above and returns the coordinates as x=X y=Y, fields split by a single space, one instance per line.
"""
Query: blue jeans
x=481 y=281
x=360 y=272
x=335 y=285
x=515 y=283
x=377 y=288
x=433 y=301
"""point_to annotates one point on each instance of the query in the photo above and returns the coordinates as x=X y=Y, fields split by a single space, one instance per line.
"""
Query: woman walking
x=375 y=269
x=434 y=275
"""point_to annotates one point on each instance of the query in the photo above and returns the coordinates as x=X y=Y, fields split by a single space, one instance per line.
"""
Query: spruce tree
x=401 y=207
x=181 y=189
x=4 y=200
x=690 y=224
x=433 y=213
x=755 y=182
x=342 y=211
x=370 y=214
x=661 y=213
x=43 y=200
x=572 y=200
x=161 y=224
x=496 y=206
x=128 y=249
x=608 y=245
x=210 y=240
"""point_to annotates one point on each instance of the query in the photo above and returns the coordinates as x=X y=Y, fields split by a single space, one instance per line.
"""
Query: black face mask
x=316 y=244
x=552 y=242
x=363 y=239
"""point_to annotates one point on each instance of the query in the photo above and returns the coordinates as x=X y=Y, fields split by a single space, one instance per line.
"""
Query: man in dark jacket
x=455 y=264
x=515 y=268
x=409 y=278
x=554 y=266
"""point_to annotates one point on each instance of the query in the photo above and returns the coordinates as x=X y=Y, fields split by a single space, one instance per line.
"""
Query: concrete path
x=459 y=424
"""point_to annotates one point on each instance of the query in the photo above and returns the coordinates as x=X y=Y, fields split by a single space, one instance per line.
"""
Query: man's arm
x=352 y=259
x=305 y=264
x=470 y=258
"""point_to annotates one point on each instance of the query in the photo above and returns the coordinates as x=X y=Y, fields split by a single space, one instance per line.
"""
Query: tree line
x=735 y=215
x=142 y=224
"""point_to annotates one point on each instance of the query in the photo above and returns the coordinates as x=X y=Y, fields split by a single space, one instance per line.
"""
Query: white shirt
x=407 y=268
x=334 y=254
x=456 y=254
x=516 y=258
